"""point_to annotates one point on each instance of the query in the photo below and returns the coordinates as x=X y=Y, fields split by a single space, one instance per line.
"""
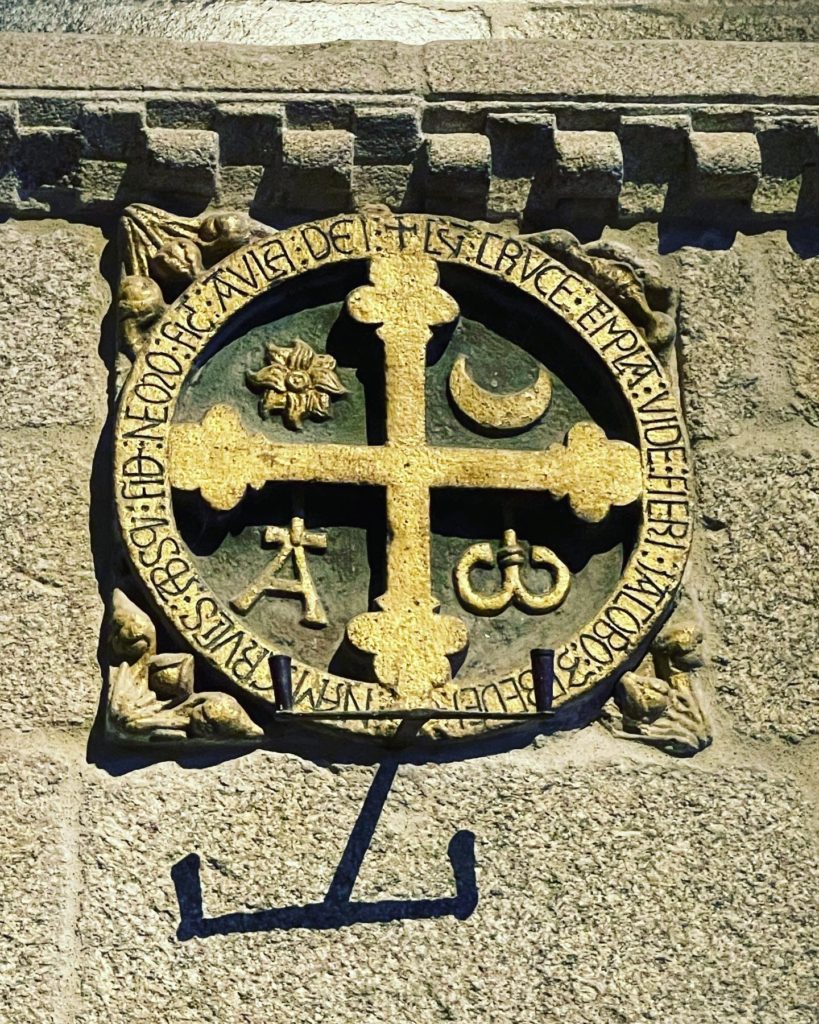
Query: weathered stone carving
x=494 y=413
x=161 y=254
x=512 y=591
x=190 y=439
x=292 y=541
x=635 y=284
x=661 y=703
x=151 y=696
x=296 y=382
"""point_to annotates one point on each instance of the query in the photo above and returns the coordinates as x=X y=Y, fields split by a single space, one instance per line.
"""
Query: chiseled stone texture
x=52 y=303
x=279 y=22
x=50 y=608
x=719 y=339
x=762 y=507
x=749 y=336
x=36 y=903
x=795 y=292
x=53 y=403
x=276 y=23
x=607 y=894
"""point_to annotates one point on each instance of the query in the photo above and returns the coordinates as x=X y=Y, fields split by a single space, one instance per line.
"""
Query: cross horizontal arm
x=221 y=459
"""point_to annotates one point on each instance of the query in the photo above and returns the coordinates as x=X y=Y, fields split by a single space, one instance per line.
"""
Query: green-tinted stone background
x=351 y=572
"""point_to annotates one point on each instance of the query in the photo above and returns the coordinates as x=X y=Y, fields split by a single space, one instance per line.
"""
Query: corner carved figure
x=661 y=703
x=162 y=254
x=151 y=696
x=634 y=284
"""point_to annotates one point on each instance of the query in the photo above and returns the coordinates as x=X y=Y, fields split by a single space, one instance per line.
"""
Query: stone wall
x=285 y=22
x=614 y=884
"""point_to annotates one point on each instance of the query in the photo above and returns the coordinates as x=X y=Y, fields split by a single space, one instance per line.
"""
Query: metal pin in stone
x=281 y=672
x=543 y=677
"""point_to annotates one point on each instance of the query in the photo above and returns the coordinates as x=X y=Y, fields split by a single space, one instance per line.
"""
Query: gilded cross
x=410 y=640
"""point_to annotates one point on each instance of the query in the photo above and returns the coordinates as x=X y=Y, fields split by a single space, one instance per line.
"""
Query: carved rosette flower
x=296 y=382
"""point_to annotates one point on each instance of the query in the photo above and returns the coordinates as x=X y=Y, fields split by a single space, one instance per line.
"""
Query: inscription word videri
x=376 y=468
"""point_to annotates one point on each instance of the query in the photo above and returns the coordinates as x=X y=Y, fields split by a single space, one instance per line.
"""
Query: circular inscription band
x=615 y=637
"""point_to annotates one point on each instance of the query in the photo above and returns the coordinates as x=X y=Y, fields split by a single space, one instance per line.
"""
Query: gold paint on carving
x=222 y=459
x=218 y=458
x=636 y=285
x=509 y=560
x=151 y=696
x=296 y=382
x=159 y=249
x=410 y=642
x=501 y=413
x=292 y=542
x=661 y=704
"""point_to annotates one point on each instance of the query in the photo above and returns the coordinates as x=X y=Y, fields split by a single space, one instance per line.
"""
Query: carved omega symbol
x=510 y=557
x=413 y=641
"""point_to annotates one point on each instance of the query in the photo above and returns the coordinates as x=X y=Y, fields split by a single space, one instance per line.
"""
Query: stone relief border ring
x=611 y=642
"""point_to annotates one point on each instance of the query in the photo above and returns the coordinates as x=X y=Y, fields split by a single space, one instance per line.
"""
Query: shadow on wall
x=336 y=910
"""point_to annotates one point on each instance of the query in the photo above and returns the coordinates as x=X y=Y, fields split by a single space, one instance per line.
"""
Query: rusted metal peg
x=543 y=677
x=281 y=672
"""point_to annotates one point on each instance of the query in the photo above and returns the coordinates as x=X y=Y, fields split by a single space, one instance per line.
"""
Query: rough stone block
x=387 y=135
x=786 y=145
x=238 y=186
x=112 y=131
x=317 y=169
x=50 y=609
x=458 y=169
x=9 y=129
x=319 y=114
x=100 y=183
x=464 y=154
x=642 y=200
x=725 y=165
x=182 y=161
x=52 y=302
x=794 y=329
x=49 y=111
x=762 y=508
x=719 y=339
x=36 y=899
x=389 y=184
x=588 y=165
x=654 y=146
x=777 y=197
x=249 y=133
x=47 y=156
x=508 y=197
x=9 y=194
x=704 y=880
x=748 y=336
x=521 y=143
x=453 y=116
x=181 y=112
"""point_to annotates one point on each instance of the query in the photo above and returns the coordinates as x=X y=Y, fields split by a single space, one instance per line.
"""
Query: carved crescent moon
x=499 y=413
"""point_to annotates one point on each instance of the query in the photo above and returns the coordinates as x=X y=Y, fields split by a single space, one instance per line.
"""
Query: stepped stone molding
x=409 y=128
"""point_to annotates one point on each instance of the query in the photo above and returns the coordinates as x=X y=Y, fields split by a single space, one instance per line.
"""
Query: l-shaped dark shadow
x=336 y=910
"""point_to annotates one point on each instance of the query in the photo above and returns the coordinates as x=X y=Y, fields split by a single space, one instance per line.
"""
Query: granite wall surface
x=614 y=884
x=284 y=22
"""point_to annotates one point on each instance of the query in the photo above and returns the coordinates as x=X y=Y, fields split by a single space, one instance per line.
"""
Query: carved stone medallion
x=384 y=468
